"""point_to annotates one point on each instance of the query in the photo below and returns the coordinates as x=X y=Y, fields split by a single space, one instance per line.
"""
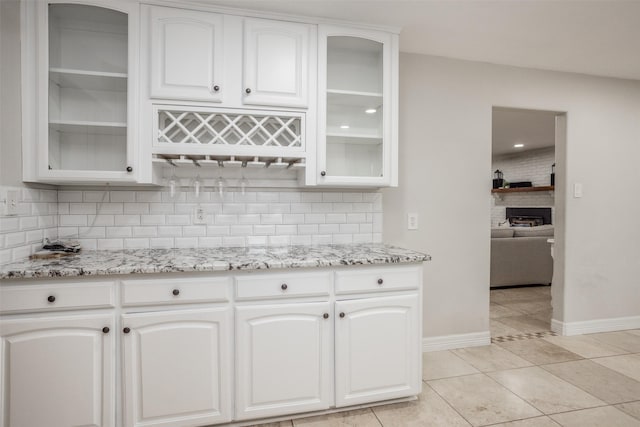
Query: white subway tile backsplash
x=117 y=219
x=110 y=244
x=136 y=243
x=162 y=242
x=73 y=220
x=122 y=196
x=70 y=196
x=119 y=232
x=82 y=208
x=28 y=222
x=120 y=220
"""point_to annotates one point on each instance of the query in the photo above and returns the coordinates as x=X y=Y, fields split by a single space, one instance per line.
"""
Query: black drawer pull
x=176 y=292
x=51 y=298
x=326 y=315
x=105 y=330
x=342 y=314
x=284 y=287
x=126 y=330
x=380 y=281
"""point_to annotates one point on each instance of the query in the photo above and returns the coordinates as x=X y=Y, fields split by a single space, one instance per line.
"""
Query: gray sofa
x=521 y=256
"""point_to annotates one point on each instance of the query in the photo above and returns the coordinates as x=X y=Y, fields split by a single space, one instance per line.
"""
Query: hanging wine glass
x=196 y=187
x=173 y=184
x=244 y=183
x=220 y=186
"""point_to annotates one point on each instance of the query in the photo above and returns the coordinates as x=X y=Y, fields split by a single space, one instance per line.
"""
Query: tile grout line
x=447 y=402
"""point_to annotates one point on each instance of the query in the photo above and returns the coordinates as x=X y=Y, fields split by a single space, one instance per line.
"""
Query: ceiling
x=534 y=129
x=599 y=37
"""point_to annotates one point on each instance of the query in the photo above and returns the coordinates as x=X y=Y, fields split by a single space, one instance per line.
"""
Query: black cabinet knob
x=176 y=292
x=380 y=281
x=129 y=169
x=51 y=298
x=342 y=314
x=323 y=173
x=126 y=330
x=105 y=330
x=326 y=315
x=216 y=88
x=248 y=90
x=284 y=287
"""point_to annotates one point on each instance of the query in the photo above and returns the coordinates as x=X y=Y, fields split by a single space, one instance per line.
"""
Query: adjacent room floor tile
x=429 y=410
x=539 y=352
x=481 y=400
x=585 y=346
x=631 y=408
x=628 y=364
x=625 y=340
x=491 y=358
x=601 y=382
x=357 y=418
x=530 y=422
x=531 y=307
x=444 y=364
x=596 y=417
x=526 y=323
x=497 y=311
x=499 y=329
x=545 y=391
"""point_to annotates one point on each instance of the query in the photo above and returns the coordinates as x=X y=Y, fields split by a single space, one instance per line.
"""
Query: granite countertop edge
x=149 y=261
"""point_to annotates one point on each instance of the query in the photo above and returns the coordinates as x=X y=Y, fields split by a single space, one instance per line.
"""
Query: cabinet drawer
x=378 y=279
x=57 y=296
x=175 y=291
x=283 y=285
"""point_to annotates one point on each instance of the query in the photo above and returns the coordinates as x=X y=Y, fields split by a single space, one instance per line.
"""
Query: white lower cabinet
x=177 y=367
x=58 y=371
x=284 y=358
x=378 y=353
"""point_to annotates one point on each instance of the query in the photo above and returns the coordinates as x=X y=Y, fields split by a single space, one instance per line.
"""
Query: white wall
x=445 y=152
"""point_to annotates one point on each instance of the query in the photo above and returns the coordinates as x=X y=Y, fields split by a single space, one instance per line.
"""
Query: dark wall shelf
x=522 y=189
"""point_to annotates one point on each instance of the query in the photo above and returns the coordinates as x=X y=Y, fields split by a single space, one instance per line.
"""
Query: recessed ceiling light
x=344 y=127
x=370 y=110
x=518 y=145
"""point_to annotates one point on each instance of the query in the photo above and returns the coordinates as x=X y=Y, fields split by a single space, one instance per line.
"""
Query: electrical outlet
x=577 y=190
x=412 y=221
x=199 y=216
x=11 y=203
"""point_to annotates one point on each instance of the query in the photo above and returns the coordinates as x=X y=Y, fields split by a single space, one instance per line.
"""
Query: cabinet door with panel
x=284 y=355
x=357 y=114
x=58 y=371
x=85 y=97
x=276 y=62
x=187 y=54
x=177 y=367
x=378 y=349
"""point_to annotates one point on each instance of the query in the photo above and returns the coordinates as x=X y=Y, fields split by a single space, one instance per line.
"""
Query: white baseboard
x=449 y=342
x=593 y=326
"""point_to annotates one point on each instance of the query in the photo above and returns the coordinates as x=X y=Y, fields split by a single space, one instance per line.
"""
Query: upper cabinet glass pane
x=88 y=51
x=354 y=107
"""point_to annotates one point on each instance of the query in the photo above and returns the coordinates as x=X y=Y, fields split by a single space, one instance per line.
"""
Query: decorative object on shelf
x=498 y=179
x=553 y=174
x=520 y=184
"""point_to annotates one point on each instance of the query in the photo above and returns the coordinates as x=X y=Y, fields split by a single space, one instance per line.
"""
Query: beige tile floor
x=548 y=381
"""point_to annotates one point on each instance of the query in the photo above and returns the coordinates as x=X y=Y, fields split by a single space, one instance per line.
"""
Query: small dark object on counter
x=71 y=246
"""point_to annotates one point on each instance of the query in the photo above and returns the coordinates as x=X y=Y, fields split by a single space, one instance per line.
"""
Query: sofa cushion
x=539 y=231
x=501 y=232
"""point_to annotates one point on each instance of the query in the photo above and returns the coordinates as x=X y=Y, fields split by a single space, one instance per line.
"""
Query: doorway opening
x=526 y=152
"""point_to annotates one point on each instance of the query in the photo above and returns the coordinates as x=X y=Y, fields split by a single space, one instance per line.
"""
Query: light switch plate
x=199 y=216
x=577 y=190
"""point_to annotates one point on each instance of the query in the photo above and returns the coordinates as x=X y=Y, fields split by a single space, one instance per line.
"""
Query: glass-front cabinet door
x=356 y=138
x=85 y=124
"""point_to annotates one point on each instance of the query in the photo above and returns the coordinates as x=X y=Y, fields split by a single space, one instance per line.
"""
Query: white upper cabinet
x=276 y=58
x=357 y=113
x=83 y=93
x=227 y=59
x=187 y=58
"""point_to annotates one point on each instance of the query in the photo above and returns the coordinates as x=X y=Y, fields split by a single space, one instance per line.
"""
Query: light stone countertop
x=133 y=261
